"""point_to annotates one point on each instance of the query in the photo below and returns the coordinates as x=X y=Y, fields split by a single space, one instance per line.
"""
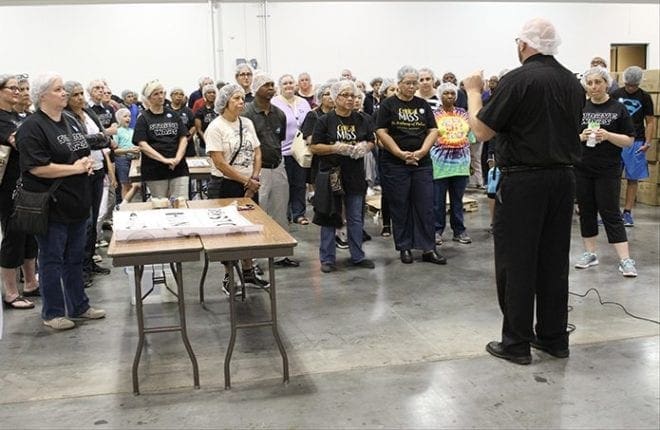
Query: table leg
x=232 y=318
x=273 y=310
x=178 y=276
x=203 y=279
x=137 y=273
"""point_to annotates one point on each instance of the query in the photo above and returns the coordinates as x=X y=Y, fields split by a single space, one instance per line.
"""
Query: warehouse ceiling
x=81 y=2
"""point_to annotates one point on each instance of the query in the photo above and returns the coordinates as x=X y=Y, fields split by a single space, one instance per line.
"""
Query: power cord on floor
x=571 y=327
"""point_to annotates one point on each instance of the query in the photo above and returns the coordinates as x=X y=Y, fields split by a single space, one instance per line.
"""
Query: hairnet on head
x=243 y=66
x=259 y=80
x=632 y=75
x=69 y=86
x=125 y=93
x=598 y=71
x=203 y=79
x=150 y=87
x=374 y=81
x=405 y=70
x=447 y=86
x=322 y=89
x=224 y=94
x=541 y=35
x=427 y=70
x=177 y=90
x=340 y=86
x=121 y=112
x=41 y=84
x=387 y=82
x=208 y=88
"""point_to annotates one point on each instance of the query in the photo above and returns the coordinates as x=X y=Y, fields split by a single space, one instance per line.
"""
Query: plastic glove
x=360 y=150
x=343 y=149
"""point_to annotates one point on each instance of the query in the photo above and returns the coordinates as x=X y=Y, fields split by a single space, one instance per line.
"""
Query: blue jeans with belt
x=61 y=253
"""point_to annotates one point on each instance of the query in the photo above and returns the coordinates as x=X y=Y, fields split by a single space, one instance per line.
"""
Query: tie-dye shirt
x=451 y=153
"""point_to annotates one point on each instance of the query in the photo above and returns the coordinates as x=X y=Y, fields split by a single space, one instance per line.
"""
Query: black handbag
x=31 y=209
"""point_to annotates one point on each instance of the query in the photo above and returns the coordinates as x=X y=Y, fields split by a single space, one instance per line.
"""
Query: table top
x=167 y=250
x=196 y=172
x=272 y=241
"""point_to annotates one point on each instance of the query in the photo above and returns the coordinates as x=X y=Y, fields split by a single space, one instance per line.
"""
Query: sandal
x=302 y=220
x=16 y=303
x=33 y=293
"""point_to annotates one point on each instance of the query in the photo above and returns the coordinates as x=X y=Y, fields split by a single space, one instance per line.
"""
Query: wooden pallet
x=469 y=204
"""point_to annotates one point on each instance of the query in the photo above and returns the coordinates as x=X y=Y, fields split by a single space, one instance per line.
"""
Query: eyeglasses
x=22 y=76
x=348 y=96
x=107 y=93
x=245 y=74
x=326 y=94
x=409 y=83
x=13 y=88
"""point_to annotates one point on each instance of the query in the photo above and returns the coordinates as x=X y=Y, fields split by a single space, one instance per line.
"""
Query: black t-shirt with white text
x=105 y=114
x=162 y=132
x=188 y=119
x=408 y=123
x=42 y=141
x=639 y=105
x=604 y=159
x=331 y=128
x=206 y=115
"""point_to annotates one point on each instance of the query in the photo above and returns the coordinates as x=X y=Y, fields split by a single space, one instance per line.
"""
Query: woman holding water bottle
x=607 y=128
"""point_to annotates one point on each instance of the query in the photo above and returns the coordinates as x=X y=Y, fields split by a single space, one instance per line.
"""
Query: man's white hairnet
x=225 y=94
x=259 y=80
x=541 y=35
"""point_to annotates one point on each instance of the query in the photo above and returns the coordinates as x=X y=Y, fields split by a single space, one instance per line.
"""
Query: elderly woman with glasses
x=54 y=151
x=407 y=130
x=295 y=108
x=161 y=135
x=17 y=249
x=341 y=139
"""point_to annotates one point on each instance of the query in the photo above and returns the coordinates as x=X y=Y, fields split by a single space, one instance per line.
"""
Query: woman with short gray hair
x=407 y=130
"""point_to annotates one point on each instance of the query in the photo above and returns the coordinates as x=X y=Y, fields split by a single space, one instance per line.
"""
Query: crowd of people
x=415 y=138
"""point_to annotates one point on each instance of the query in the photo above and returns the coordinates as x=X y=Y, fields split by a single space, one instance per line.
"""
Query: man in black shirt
x=536 y=113
x=270 y=124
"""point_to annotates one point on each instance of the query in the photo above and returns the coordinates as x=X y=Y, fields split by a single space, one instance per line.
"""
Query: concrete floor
x=399 y=346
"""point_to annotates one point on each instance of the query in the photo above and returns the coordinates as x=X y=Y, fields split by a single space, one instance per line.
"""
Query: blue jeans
x=297 y=177
x=61 y=253
x=354 y=204
x=409 y=191
x=456 y=187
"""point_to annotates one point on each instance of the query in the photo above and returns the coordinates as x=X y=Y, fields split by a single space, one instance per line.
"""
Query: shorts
x=122 y=167
x=635 y=166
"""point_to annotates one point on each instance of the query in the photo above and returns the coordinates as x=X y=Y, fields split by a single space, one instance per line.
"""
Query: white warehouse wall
x=131 y=44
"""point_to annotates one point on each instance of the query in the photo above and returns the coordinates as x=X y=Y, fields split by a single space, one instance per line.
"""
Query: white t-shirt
x=96 y=155
x=223 y=136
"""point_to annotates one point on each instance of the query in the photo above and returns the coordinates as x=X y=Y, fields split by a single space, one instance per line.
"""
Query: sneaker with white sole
x=587 y=259
x=60 y=323
x=628 y=219
x=462 y=238
x=92 y=314
x=627 y=268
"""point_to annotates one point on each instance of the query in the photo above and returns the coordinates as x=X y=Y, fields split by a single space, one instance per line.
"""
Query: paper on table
x=167 y=223
x=198 y=162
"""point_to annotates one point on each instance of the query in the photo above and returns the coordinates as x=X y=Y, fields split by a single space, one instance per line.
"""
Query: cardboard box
x=651 y=81
x=652 y=152
x=653 y=172
x=656 y=106
x=648 y=193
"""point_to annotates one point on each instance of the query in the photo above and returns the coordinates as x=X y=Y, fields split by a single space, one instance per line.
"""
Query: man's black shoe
x=406 y=256
x=365 y=236
x=433 y=257
x=96 y=269
x=559 y=353
x=497 y=349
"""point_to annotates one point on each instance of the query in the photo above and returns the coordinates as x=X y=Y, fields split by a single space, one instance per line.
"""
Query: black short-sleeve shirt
x=536 y=112
x=42 y=141
x=162 y=132
x=408 y=123
x=105 y=114
x=9 y=122
x=639 y=105
x=331 y=128
x=271 y=131
x=604 y=160
x=205 y=114
x=188 y=119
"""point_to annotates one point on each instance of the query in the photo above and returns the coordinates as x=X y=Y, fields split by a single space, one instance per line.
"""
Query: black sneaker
x=249 y=277
x=225 y=287
x=365 y=236
x=98 y=270
x=341 y=243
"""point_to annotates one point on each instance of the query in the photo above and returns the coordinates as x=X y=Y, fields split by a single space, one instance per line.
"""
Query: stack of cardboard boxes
x=648 y=191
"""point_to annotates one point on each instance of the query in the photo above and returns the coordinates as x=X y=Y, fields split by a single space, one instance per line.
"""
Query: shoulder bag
x=300 y=151
x=5 y=152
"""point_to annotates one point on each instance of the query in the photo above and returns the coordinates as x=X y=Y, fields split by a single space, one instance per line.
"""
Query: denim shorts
x=122 y=167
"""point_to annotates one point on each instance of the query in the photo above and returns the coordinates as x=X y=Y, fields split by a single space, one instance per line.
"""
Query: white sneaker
x=92 y=314
x=627 y=268
x=60 y=323
x=587 y=259
x=97 y=258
